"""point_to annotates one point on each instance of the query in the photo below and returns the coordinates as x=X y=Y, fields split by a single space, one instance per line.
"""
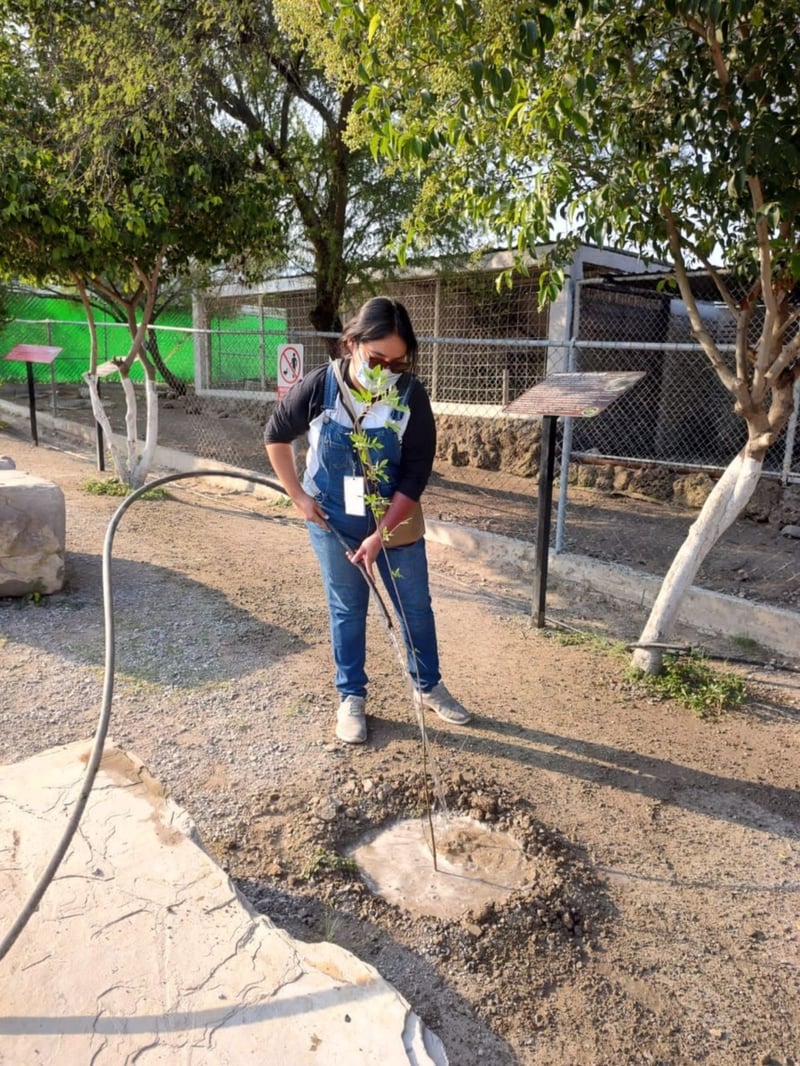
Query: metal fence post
x=573 y=315
x=100 y=447
x=262 y=343
x=546 y=466
x=437 y=293
x=52 y=370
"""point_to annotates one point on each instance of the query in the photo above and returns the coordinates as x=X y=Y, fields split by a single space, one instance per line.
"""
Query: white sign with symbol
x=290 y=367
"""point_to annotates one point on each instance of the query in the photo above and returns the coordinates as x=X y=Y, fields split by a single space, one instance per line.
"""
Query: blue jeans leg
x=409 y=592
x=348 y=598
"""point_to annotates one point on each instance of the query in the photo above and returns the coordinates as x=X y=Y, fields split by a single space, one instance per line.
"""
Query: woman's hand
x=281 y=458
x=367 y=552
x=309 y=509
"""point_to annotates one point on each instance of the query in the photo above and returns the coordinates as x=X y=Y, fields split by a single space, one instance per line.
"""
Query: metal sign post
x=30 y=354
x=562 y=396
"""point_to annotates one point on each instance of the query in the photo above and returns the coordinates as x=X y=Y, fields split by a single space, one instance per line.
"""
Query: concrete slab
x=142 y=950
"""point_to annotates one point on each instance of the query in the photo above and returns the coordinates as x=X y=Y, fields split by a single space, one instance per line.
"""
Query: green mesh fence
x=238 y=349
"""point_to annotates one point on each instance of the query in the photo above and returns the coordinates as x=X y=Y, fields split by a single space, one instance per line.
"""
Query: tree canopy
x=115 y=178
x=599 y=120
x=670 y=128
x=104 y=172
x=339 y=208
x=247 y=96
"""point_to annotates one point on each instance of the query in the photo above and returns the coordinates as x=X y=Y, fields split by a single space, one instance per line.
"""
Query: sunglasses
x=377 y=359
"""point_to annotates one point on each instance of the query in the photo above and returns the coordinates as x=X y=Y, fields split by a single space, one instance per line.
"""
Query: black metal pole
x=32 y=403
x=546 y=468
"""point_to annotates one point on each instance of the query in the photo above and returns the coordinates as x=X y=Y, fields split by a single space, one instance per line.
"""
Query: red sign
x=290 y=367
x=32 y=353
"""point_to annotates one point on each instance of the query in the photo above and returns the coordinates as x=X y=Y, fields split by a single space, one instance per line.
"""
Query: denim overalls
x=346 y=590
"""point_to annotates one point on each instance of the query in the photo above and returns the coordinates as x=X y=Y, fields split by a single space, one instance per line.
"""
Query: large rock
x=32 y=534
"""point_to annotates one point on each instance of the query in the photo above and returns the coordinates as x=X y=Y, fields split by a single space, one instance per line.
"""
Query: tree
x=114 y=181
x=254 y=92
x=342 y=209
x=670 y=128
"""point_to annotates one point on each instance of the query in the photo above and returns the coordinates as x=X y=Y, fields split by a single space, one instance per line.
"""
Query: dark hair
x=378 y=318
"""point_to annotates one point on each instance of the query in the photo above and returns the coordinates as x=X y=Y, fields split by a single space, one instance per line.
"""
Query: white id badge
x=354 y=496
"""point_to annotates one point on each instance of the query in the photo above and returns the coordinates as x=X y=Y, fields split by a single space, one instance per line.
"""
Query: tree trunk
x=142 y=467
x=723 y=506
x=121 y=468
x=177 y=386
x=324 y=317
x=130 y=467
x=131 y=425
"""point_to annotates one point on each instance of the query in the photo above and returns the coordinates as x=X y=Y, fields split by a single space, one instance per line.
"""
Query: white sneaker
x=351 y=720
x=442 y=703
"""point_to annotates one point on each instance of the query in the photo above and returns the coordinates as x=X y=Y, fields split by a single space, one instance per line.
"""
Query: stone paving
x=142 y=951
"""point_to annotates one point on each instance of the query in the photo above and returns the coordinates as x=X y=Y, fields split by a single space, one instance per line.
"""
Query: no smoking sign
x=290 y=367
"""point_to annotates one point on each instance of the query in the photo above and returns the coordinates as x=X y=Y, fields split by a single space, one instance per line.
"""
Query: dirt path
x=663 y=925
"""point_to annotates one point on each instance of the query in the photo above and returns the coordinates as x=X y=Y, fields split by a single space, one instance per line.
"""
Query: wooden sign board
x=32 y=353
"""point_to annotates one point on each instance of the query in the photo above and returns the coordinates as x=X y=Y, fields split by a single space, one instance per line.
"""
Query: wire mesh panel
x=660 y=449
x=476 y=341
x=59 y=320
x=70 y=365
x=681 y=413
x=243 y=337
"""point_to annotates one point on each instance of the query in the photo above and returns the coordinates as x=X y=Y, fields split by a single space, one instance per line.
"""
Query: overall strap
x=331 y=389
x=335 y=370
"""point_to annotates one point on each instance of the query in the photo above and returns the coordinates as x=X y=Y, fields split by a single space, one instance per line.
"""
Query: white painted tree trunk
x=131 y=429
x=117 y=457
x=142 y=467
x=129 y=466
x=725 y=503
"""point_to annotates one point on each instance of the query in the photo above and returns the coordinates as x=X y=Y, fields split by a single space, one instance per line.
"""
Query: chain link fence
x=631 y=479
x=657 y=451
x=680 y=413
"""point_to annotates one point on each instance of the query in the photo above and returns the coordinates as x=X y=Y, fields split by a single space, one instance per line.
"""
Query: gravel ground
x=662 y=922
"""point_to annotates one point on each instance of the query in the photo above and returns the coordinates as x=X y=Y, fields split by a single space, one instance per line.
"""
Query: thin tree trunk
x=175 y=383
x=142 y=467
x=131 y=423
x=90 y=319
x=118 y=459
x=725 y=503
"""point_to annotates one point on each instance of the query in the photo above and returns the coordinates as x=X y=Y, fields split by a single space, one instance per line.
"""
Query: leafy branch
x=367 y=447
x=375 y=473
